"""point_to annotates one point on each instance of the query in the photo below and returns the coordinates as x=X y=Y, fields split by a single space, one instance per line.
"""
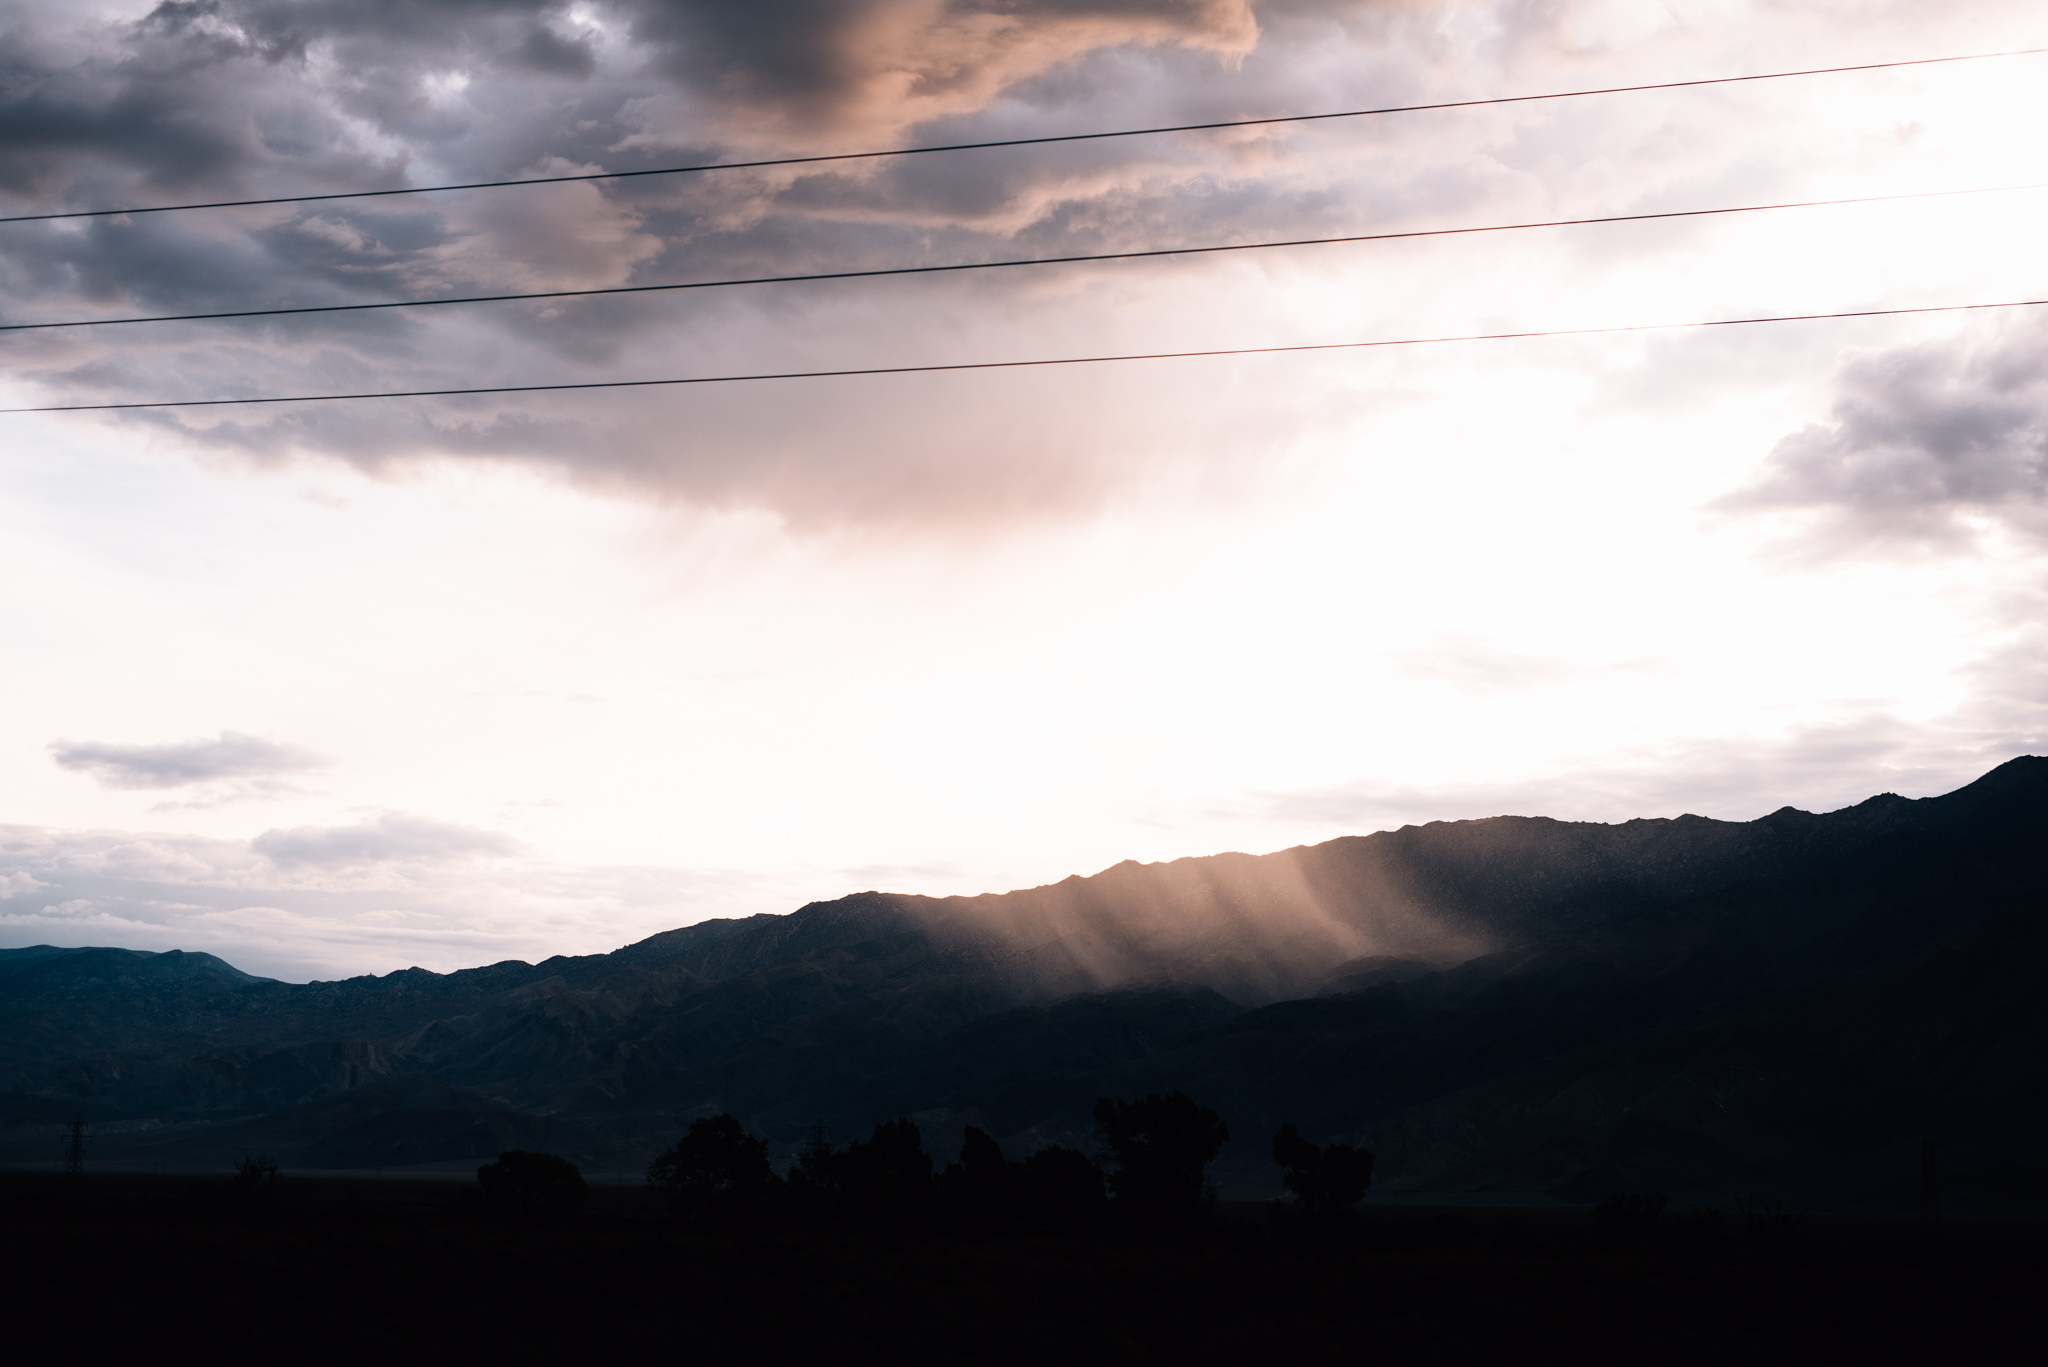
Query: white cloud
x=1927 y=444
x=389 y=838
x=154 y=860
x=1817 y=768
x=326 y=921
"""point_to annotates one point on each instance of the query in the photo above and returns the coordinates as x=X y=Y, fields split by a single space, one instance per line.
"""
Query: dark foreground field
x=338 y=1269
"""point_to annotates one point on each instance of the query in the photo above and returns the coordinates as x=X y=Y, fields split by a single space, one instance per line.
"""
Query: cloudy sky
x=336 y=688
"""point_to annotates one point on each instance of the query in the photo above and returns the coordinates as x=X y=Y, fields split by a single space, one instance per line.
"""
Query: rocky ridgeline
x=1514 y=1004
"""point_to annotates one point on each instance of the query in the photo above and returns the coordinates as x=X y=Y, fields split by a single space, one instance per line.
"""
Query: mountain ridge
x=1512 y=1000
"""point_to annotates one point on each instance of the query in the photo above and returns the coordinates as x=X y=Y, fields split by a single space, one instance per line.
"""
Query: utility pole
x=75 y=1136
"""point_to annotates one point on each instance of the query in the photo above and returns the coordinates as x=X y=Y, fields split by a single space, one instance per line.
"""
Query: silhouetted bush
x=1627 y=1221
x=1324 y=1180
x=1770 y=1229
x=979 y=1191
x=528 y=1186
x=886 y=1179
x=252 y=1191
x=1060 y=1191
x=716 y=1177
x=1162 y=1146
x=813 y=1187
x=881 y=1184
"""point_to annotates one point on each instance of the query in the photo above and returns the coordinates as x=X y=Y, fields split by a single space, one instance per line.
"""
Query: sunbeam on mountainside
x=1518 y=1006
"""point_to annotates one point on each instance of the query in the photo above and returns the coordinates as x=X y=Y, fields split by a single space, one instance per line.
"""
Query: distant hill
x=1516 y=1005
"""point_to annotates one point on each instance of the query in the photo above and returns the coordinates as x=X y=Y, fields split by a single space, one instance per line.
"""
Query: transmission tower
x=75 y=1136
x=817 y=1144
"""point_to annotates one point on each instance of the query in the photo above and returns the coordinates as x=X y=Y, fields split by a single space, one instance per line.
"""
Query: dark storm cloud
x=1924 y=444
x=861 y=65
x=212 y=95
x=227 y=98
x=230 y=755
x=193 y=95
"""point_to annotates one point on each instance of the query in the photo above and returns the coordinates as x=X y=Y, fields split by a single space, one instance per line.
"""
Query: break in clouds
x=214 y=99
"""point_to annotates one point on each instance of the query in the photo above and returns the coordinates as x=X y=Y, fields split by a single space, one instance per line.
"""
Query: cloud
x=165 y=891
x=154 y=861
x=383 y=839
x=19 y=885
x=230 y=755
x=228 y=98
x=232 y=98
x=1820 y=767
x=1926 y=445
x=867 y=68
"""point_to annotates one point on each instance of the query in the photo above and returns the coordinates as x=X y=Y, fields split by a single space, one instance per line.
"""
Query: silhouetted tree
x=814 y=1186
x=1060 y=1191
x=1162 y=1146
x=1323 y=1180
x=1771 y=1228
x=980 y=1189
x=253 y=1188
x=717 y=1176
x=531 y=1186
x=886 y=1179
x=255 y=1172
x=881 y=1184
x=1627 y=1221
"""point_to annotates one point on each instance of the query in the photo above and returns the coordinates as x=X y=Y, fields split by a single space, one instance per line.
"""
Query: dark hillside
x=1516 y=1005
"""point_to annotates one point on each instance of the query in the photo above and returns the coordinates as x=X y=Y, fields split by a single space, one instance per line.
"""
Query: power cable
x=1014 y=142
x=1020 y=365
x=998 y=265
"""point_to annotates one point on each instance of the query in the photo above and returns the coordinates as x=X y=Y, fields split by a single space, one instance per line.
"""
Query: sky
x=338 y=688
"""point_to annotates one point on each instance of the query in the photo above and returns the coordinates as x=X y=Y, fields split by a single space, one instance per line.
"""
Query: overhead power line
x=1014 y=142
x=1022 y=365
x=953 y=268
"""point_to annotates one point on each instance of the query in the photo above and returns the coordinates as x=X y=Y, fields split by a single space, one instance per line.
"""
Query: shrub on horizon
x=881 y=1184
x=1627 y=1221
x=1323 y=1180
x=980 y=1190
x=717 y=1176
x=252 y=1191
x=1162 y=1147
x=530 y=1186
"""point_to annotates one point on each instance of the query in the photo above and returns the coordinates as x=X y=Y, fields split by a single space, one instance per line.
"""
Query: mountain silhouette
x=1513 y=1005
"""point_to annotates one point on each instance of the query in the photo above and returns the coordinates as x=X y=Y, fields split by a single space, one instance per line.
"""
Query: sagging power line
x=1215 y=126
x=959 y=267
x=1029 y=364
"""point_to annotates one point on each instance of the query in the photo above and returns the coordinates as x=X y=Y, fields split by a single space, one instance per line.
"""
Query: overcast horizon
x=337 y=688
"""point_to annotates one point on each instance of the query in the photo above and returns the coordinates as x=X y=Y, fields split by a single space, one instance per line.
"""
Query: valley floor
x=339 y=1268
